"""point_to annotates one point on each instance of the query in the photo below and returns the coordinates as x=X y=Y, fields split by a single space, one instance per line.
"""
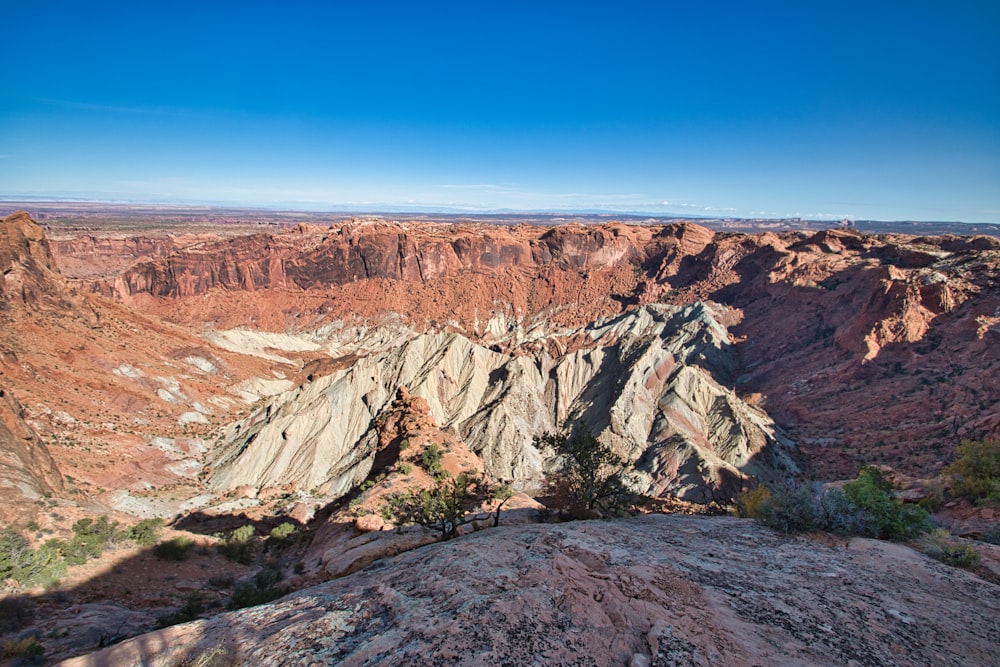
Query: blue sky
x=881 y=110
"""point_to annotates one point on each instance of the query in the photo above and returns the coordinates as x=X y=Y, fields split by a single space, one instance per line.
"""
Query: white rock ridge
x=649 y=383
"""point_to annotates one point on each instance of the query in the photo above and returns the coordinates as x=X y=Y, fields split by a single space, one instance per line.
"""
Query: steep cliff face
x=27 y=471
x=652 y=383
x=29 y=274
x=29 y=281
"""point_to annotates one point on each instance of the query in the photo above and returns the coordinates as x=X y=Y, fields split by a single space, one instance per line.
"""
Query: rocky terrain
x=655 y=590
x=866 y=349
x=215 y=378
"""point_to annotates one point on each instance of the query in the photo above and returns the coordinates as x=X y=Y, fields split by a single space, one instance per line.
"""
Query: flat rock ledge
x=653 y=590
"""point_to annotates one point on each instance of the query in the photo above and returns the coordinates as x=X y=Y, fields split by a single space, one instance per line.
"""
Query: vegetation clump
x=430 y=460
x=191 y=610
x=975 y=472
x=27 y=648
x=865 y=507
x=176 y=549
x=590 y=480
x=943 y=547
x=239 y=546
x=449 y=504
x=46 y=564
x=259 y=590
x=282 y=532
x=147 y=532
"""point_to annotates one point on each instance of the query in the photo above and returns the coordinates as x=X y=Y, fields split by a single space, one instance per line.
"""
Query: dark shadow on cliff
x=802 y=353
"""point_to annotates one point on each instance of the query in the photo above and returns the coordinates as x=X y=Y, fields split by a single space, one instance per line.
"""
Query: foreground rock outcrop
x=655 y=590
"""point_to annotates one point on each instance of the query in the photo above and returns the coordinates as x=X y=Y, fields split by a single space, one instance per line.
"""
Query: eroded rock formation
x=653 y=383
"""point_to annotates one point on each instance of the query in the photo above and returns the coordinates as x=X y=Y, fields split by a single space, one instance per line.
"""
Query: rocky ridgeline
x=29 y=280
x=653 y=383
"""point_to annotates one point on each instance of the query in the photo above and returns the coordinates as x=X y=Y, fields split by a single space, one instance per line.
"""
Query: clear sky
x=876 y=109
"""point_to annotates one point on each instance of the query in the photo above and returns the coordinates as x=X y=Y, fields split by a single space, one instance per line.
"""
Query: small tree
x=444 y=507
x=976 y=470
x=590 y=478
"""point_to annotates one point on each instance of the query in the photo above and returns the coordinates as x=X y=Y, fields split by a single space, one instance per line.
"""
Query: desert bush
x=450 y=503
x=590 y=478
x=146 y=533
x=250 y=594
x=791 y=508
x=884 y=516
x=935 y=497
x=30 y=567
x=430 y=460
x=940 y=545
x=282 y=532
x=404 y=467
x=218 y=581
x=750 y=503
x=15 y=613
x=268 y=577
x=975 y=472
x=239 y=546
x=91 y=538
x=993 y=535
x=864 y=507
x=28 y=647
x=175 y=549
x=191 y=610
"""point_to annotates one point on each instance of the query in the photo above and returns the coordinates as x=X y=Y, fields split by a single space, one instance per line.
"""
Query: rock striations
x=654 y=383
x=865 y=348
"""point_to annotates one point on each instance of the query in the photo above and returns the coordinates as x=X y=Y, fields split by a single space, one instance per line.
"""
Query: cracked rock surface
x=653 y=590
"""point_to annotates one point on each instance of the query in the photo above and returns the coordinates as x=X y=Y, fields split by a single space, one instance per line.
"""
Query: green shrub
x=282 y=532
x=249 y=594
x=751 y=503
x=993 y=535
x=91 y=538
x=590 y=478
x=430 y=460
x=864 y=507
x=404 y=467
x=175 y=549
x=190 y=611
x=15 y=613
x=30 y=567
x=21 y=648
x=975 y=473
x=884 y=516
x=239 y=546
x=146 y=533
x=443 y=507
x=943 y=547
x=220 y=581
x=268 y=577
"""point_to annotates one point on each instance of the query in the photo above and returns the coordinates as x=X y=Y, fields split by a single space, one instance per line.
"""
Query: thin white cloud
x=487 y=187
